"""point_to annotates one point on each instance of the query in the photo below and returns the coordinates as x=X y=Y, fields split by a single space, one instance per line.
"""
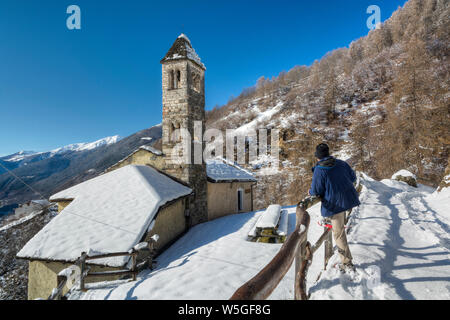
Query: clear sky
x=61 y=86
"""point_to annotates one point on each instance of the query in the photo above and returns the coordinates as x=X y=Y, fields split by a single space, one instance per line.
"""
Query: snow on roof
x=184 y=37
x=220 y=170
x=403 y=173
x=182 y=49
x=110 y=213
x=270 y=217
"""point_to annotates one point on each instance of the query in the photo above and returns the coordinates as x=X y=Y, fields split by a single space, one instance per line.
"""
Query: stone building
x=110 y=213
x=229 y=188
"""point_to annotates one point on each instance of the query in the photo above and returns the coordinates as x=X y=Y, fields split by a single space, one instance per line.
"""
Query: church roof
x=221 y=170
x=182 y=49
x=109 y=213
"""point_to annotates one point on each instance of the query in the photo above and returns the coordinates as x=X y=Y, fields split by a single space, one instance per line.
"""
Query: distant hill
x=50 y=172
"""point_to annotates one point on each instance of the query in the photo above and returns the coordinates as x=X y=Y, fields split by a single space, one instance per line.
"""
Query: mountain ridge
x=50 y=172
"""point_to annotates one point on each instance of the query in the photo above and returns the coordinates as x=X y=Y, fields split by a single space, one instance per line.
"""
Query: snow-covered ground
x=399 y=231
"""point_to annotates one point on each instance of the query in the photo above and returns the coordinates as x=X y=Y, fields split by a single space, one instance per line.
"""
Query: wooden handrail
x=57 y=293
x=262 y=285
x=109 y=255
x=61 y=281
x=84 y=269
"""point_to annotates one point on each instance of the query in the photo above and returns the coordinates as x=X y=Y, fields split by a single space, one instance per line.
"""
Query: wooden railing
x=295 y=248
x=135 y=268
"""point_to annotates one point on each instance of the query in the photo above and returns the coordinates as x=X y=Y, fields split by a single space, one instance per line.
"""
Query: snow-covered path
x=408 y=243
x=398 y=230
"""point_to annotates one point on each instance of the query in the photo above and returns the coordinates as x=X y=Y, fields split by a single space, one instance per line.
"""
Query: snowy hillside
x=399 y=230
x=361 y=100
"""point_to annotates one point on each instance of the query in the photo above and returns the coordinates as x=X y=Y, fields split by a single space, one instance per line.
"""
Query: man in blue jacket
x=333 y=182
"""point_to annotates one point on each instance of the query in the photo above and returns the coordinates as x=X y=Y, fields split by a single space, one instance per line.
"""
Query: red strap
x=326 y=225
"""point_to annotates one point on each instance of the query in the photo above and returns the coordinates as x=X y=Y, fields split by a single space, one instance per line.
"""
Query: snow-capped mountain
x=18 y=156
x=86 y=146
x=51 y=171
x=22 y=156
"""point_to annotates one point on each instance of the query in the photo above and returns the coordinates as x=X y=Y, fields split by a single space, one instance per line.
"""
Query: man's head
x=322 y=151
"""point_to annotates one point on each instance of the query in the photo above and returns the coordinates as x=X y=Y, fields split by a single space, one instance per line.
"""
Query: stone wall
x=62 y=204
x=141 y=157
x=169 y=224
x=42 y=277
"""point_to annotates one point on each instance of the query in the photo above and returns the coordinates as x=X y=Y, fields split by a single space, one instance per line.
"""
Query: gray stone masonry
x=184 y=103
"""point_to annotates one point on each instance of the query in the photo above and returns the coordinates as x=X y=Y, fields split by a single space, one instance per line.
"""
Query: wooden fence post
x=302 y=261
x=133 y=265
x=298 y=262
x=300 y=291
x=60 y=282
x=83 y=270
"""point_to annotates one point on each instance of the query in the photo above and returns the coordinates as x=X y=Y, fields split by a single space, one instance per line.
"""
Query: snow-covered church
x=145 y=193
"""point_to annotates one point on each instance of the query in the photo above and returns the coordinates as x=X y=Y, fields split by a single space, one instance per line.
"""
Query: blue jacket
x=333 y=181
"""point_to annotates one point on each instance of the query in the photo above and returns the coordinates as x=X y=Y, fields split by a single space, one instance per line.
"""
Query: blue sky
x=60 y=86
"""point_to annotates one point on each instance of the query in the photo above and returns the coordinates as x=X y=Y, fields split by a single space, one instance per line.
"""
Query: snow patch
x=403 y=173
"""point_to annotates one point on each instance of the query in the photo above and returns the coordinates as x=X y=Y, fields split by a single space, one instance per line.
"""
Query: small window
x=196 y=82
x=240 y=198
x=171 y=79
x=177 y=79
x=175 y=132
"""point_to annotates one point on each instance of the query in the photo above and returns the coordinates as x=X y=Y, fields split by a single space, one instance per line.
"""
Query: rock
x=406 y=176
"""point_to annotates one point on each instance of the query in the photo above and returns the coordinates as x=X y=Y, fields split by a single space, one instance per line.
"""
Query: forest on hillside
x=384 y=99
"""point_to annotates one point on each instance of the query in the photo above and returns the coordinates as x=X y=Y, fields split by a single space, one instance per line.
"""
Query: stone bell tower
x=183 y=94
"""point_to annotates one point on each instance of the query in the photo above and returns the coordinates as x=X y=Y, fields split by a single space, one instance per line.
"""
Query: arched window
x=171 y=79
